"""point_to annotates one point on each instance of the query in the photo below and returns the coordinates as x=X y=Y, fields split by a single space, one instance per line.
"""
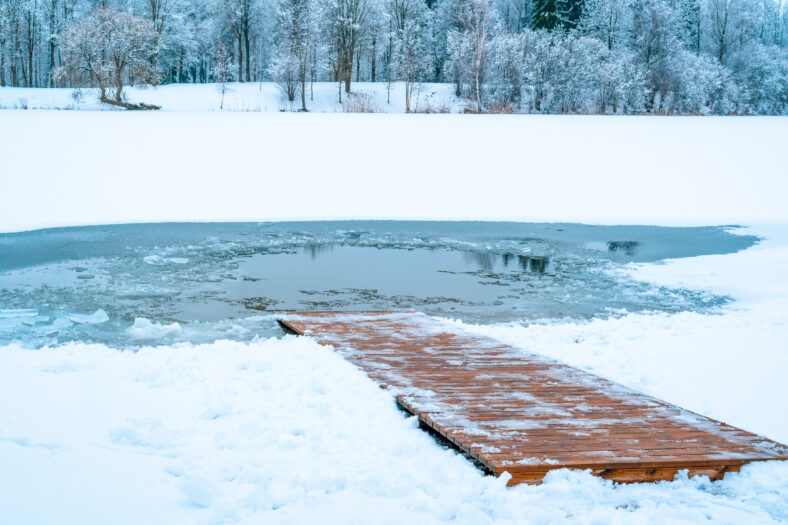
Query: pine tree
x=546 y=14
x=570 y=12
x=554 y=14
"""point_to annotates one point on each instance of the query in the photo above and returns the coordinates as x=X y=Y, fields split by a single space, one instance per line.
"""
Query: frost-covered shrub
x=459 y=46
x=504 y=88
x=621 y=83
x=284 y=71
x=578 y=74
x=577 y=79
x=540 y=64
x=693 y=84
x=761 y=73
x=410 y=61
x=359 y=102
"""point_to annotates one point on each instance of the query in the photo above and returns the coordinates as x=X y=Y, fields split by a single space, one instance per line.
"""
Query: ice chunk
x=97 y=317
x=157 y=260
x=146 y=329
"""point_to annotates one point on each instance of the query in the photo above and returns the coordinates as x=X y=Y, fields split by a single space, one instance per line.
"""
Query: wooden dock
x=526 y=414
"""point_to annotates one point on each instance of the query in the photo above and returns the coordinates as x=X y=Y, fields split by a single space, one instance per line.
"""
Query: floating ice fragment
x=154 y=260
x=145 y=329
x=157 y=260
x=18 y=312
x=97 y=317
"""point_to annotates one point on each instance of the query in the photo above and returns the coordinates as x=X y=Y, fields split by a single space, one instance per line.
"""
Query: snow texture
x=77 y=168
x=281 y=431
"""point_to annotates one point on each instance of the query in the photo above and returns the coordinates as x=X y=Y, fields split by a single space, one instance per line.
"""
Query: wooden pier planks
x=526 y=414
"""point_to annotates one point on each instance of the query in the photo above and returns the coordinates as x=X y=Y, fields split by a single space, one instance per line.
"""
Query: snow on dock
x=526 y=414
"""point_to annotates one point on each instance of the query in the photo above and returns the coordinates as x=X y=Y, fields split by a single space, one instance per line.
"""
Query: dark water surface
x=225 y=280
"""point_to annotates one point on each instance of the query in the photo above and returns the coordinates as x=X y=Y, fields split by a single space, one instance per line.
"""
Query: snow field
x=77 y=168
x=281 y=431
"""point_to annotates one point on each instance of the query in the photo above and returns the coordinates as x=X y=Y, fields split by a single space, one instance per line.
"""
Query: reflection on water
x=527 y=263
x=224 y=280
x=314 y=249
x=627 y=247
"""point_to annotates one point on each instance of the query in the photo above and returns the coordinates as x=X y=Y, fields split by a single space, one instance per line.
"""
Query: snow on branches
x=110 y=48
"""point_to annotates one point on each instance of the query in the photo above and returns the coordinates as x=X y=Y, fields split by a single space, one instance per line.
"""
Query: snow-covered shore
x=75 y=168
x=281 y=432
x=247 y=97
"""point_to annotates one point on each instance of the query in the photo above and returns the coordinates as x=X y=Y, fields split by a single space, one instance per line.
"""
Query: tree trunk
x=240 y=58
x=372 y=58
x=126 y=105
x=478 y=94
x=118 y=86
x=388 y=66
x=2 y=64
x=246 y=46
x=303 y=93
x=180 y=66
x=30 y=56
x=52 y=45
x=348 y=71
x=16 y=56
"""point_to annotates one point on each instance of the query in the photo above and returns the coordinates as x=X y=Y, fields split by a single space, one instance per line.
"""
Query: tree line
x=551 y=56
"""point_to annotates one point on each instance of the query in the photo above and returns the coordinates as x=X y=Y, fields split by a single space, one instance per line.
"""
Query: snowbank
x=75 y=168
x=254 y=97
x=280 y=431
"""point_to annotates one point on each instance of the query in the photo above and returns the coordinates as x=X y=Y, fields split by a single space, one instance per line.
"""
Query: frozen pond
x=226 y=280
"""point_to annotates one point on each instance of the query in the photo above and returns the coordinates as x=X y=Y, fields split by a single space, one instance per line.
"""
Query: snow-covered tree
x=222 y=72
x=546 y=14
x=605 y=20
x=349 y=22
x=505 y=71
x=469 y=47
x=239 y=18
x=410 y=59
x=298 y=27
x=109 y=48
x=555 y=14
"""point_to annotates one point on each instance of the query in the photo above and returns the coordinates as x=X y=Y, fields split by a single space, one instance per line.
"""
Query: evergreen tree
x=547 y=14
x=570 y=11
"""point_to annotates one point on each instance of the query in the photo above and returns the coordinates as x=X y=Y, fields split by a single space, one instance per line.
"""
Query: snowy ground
x=76 y=167
x=247 y=97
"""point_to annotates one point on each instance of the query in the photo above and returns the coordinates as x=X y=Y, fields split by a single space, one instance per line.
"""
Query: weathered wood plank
x=526 y=414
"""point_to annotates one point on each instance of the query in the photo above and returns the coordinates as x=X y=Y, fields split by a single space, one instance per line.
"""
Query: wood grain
x=526 y=414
